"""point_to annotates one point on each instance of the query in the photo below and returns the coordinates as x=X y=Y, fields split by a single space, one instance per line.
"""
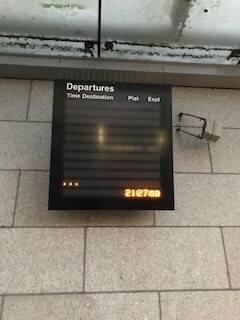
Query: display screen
x=111 y=146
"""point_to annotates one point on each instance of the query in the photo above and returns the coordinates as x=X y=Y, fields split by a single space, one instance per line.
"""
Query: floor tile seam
x=210 y=157
x=29 y=99
x=25 y=121
x=213 y=227
x=105 y=292
x=84 y=258
x=25 y=170
x=214 y=173
x=160 y=306
x=2 y=307
x=50 y=121
x=226 y=258
x=154 y=218
x=16 y=198
x=175 y=172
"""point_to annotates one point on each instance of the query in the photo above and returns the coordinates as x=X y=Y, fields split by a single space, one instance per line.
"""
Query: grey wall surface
x=119 y=265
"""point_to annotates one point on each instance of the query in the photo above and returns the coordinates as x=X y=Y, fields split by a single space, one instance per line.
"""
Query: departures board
x=111 y=147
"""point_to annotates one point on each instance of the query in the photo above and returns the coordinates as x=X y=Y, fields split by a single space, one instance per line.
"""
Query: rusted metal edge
x=170 y=53
x=52 y=47
x=47 y=46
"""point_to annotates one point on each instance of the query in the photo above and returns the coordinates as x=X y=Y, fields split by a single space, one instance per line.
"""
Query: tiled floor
x=180 y=265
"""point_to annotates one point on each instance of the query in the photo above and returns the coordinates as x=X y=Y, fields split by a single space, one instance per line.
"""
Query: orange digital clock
x=142 y=193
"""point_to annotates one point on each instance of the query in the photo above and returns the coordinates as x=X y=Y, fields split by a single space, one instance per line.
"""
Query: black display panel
x=111 y=146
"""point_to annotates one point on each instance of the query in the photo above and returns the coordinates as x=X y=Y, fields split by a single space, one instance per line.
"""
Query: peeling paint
x=180 y=15
x=61 y=6
x=169 y=53
x=31 y=45
x=49 y=47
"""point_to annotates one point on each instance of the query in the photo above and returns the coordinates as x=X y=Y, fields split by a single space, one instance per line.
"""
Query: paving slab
x=8 y=190
x=121 y=218
x=204 y=200
x=190 y=154
x=216 y=104
x=226 y=152
x=32 y=204
x=201 y=305
x=232 y=243
x=14 y=96
x=132 y=306
x=1 y=301
x=32 y=208
x=41 y=102
x=25 y=145
x=41 y=260
x=154 y=259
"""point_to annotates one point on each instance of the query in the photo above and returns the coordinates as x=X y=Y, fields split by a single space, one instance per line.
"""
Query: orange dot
x=70 y=184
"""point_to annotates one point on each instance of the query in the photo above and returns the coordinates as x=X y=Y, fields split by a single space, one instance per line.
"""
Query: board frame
x=58 y=202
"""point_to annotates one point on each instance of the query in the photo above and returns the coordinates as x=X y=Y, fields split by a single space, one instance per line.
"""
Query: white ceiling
x=50 y=18
x=200 y=23
x=194 y=22
x=137 y=20
x=220 y=26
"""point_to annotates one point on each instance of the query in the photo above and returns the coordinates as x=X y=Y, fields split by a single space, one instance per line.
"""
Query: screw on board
x=235 y=53
x=89 y=47
x=109 y=45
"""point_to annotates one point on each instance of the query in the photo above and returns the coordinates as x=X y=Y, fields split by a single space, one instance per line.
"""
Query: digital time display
x=142 y=193
x=111 y=146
